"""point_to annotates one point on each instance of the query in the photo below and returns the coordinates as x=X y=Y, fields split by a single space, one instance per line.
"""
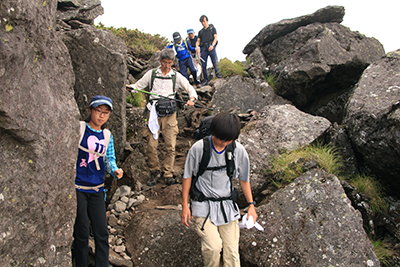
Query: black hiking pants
x=90 y=207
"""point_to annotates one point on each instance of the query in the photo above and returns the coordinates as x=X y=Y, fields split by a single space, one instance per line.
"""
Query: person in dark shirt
x=207 y=41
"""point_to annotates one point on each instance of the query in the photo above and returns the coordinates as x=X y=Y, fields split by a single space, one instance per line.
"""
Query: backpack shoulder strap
x=230 y=159
x=81 y=131
x=205 y=159
x=174 y=81
x=153 y=76
x=186 y=45
x=107 y=137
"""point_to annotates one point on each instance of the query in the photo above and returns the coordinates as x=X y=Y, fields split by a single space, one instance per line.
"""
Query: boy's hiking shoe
x=154 y=176
x=170 y=180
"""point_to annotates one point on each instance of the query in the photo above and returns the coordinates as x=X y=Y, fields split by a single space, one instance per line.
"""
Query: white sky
x=237 y=23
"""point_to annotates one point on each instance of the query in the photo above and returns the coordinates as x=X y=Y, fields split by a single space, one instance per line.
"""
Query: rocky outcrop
x=278 y=128
x=316 y=62
x=373 y=119
x=309 y=223
x=244 y=94
x=38 y=137
x=99 y=61
x=83 y=11
x=273 y=31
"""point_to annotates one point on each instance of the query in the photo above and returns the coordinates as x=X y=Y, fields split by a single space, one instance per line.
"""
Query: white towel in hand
x=249 y=223
x=153 y=121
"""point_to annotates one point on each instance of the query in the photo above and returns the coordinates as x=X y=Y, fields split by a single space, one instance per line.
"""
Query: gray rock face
x=315 y=60
x=276 y=30
x=318 y=60
x=373 y=118
x=244 y=94
x=98 y=58
x=280 y=127
x=309 y=223
x=84 y=11
x=38 y=138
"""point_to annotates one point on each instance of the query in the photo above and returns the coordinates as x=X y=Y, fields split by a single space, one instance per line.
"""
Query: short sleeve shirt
x=216 y=184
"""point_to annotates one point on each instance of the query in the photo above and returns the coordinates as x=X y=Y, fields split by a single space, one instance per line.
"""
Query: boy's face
x=220 y=143
x=191 y=35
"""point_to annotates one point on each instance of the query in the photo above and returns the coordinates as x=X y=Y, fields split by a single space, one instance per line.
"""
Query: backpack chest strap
x=96 y=155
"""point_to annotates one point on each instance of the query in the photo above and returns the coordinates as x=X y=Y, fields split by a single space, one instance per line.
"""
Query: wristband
x=249 y=203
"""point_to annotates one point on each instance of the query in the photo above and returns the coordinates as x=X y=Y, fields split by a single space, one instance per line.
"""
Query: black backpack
x=195 y=194
x=204 y=128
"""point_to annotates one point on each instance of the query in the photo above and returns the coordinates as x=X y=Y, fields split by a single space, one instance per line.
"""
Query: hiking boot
x=170 y=180
x=219 y=76
x=198 y=86
x=154 y=176
x=204 y=83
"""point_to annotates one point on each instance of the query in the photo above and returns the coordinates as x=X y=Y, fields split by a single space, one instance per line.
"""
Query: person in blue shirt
x=96 y=153
x=182 y=49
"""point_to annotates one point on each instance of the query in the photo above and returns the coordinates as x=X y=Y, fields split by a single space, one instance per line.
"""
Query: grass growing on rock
x=371 y=188
x=289 y=165
x=136 y=99
x=229 y=68
x=141 y=44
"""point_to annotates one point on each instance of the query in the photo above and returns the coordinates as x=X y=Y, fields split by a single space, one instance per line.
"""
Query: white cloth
x=153 y=121
x=249 y=223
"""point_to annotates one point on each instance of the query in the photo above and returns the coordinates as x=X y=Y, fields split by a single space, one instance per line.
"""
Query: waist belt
x=95 y=188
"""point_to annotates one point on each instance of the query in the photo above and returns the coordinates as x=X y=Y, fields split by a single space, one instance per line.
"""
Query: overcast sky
x=237 y=22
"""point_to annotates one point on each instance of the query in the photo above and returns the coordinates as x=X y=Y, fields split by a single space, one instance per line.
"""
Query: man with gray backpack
x=210 y=166
x=160 y=114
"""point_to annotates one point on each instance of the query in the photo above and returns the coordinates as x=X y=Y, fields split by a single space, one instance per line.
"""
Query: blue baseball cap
x=190 y=31
x=101 y=100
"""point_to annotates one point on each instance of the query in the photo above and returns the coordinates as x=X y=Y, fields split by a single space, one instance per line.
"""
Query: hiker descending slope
x=185 y=61
x=96 y=147
x=162 y=114
x=210 y=166
x=207 y=41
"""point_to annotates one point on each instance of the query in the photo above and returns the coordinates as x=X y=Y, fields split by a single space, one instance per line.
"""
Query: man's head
x=204 y=21
x=167 y=56
x=225 y=126
x=190 y=33
x=177 y=37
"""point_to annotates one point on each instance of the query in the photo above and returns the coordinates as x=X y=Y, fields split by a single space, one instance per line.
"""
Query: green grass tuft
x=228 y=68
x=371 y=188
x=136 y=99
x=289 y=165
x=142 y=45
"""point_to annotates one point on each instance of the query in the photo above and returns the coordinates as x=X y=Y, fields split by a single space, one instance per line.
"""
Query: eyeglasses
x=101 y=112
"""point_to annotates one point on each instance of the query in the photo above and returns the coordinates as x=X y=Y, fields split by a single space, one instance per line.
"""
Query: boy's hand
x=185 y=215
x=119 y=173
x=252 y=212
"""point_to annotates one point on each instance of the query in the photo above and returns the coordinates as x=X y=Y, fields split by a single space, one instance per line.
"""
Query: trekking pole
x=165 y=97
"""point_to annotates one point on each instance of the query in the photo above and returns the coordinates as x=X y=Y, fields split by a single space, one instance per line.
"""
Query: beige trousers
x=214 y=238
x=169 y=129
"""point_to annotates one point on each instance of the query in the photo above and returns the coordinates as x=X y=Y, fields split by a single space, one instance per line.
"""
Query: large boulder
x=318 y=63
x=244 y=94
x=84 y=11
x=373 y=119
x=309 y=223
x=279 y=127
x=315 y=60
x=99 y=61
x=273 y=31
x=39 y=135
